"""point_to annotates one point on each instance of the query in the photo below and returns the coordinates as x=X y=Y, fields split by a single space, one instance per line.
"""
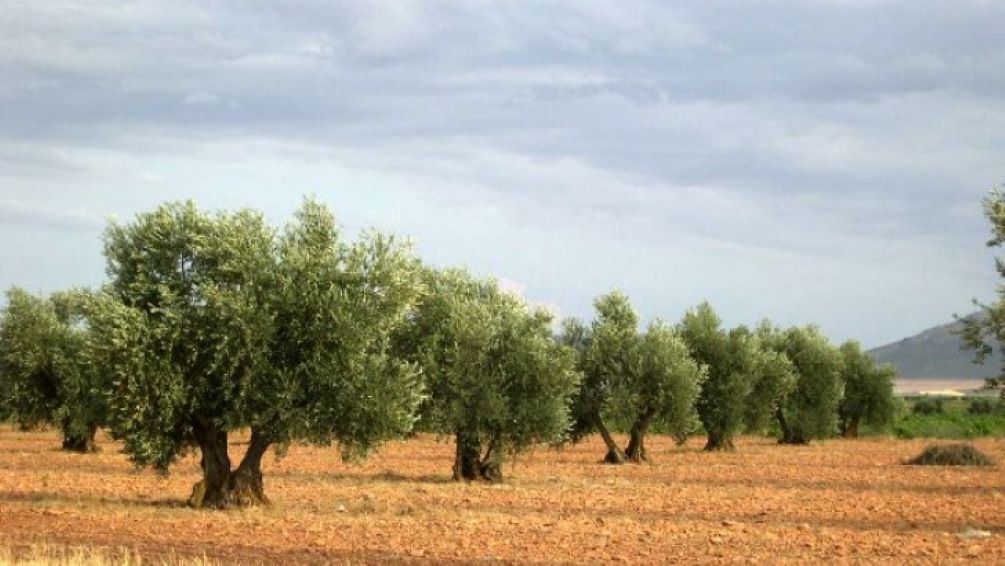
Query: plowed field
x=831 y=501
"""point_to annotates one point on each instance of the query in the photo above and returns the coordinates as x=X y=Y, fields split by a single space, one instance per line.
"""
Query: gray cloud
x=804 y=160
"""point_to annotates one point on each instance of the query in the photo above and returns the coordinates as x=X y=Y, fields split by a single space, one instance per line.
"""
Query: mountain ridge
x=936 y=353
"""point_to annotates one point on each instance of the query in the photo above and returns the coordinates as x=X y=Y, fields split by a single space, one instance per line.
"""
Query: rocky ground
x=845 y=501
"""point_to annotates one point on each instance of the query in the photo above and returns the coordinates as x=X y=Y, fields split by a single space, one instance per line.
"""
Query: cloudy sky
x=807 y=160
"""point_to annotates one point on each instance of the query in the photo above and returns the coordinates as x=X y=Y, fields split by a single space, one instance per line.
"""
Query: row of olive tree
x=733 y=381
x=212 y=323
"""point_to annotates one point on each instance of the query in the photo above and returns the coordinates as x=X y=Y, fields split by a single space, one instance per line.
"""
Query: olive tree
x=606 y=351
x=497 y=381
x=44 y=378
x=984 y=334
x=213 y=322
x=577 y=337
x=732 y=361
x=809 y=410
x=868 y=391
x=775 y=379
x=649 y=376
x=662 y=387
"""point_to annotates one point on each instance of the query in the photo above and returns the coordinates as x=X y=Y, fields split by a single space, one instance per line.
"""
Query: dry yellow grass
x=47 y=555
x=835 y=501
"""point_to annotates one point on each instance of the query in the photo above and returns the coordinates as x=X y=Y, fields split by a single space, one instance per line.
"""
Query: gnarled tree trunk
x=246 y=485
x=614 y=453
x=471 y=465
x=220 y=486
x=636 y=450
x=491 y=464
x=82 y=443
x=719 y=442
x=789 y=434
x=850 y=429
x=214 y=489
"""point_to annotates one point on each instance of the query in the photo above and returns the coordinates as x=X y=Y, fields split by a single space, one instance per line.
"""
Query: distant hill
x=935 y=354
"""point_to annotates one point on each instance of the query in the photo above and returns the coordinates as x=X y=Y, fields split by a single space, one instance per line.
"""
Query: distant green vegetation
x=939 y=418
x=950 y=418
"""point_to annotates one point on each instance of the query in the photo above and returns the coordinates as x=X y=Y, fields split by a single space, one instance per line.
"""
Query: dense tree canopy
x=809 y=410
x=212 y=323
x=496 y=379
x=661 y=387
x=650 y=377
x=44 y=376
x=605 y=355
x=776 y=377
x=868 y=391
x=734 y=363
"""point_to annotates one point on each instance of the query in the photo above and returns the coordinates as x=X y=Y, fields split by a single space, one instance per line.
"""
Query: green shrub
x=981 y=406
x=927 y=406
x=958 y=454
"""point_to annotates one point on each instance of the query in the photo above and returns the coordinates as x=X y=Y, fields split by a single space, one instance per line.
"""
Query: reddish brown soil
x=844 y=501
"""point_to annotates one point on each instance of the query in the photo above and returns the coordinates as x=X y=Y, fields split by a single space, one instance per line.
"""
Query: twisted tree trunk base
x=614 y=453
x=850 y=430
x=83 y=443
x=636 y=450
x=718 y=443
x=469 y=463
x=789 y=434
x=221 y=487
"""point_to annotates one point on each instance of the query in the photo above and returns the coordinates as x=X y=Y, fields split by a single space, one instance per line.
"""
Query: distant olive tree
x=44 y=378
x=593 y=397
x=986 y=333
x=606 y=350
x=212 y=323
x=868 y=391
x=809 y=410
x=775 y=379
x=649 y=376
x=662 y=387
x=741 y=378
x=496 y=379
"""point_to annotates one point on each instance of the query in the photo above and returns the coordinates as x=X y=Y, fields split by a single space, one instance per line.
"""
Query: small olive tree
x=606 y=353
x=868 y=391
x=809 y=410
x=662 y=387
x=497 y=381
x=213 y=323
x=732 y=358
x=44 y=378
x=590 y=398
x=649 y=376
x=776 y=377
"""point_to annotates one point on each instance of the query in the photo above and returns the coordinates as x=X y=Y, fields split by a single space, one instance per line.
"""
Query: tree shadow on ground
x=76 y=500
